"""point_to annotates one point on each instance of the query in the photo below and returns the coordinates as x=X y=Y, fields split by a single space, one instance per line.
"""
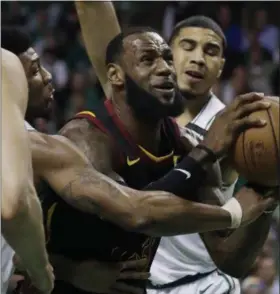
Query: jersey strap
x=100 y=117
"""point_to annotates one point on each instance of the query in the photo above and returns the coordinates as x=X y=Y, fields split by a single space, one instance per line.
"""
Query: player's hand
x=233 y=120
x=253 y=204
x=104 y=277
x=130 y=270
x=214 y=175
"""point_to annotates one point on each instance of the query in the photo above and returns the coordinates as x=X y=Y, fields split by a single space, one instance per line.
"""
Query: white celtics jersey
x=183 y=255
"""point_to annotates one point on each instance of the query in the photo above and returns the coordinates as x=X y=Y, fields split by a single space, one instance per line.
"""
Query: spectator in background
x=253 y=285
x=236 y=85
x=76 y=57
x=266 y=271
x=267 y=34
x=56 y=67
x=232 y=31
x=77 y=101
x=259 y=65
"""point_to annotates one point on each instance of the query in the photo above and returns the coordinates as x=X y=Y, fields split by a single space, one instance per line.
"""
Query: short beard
x=146 y=107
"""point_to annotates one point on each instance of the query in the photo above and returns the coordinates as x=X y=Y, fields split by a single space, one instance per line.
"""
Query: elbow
x=12 y=210
x=136 y=222
x=14 y=202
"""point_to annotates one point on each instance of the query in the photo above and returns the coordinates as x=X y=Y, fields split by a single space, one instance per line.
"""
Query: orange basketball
x=257 y=150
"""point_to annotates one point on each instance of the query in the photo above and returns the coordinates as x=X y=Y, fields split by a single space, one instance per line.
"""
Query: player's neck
x=192 y=108
x=145 y=134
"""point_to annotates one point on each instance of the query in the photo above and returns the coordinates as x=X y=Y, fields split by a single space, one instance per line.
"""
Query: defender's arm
x=99 y=25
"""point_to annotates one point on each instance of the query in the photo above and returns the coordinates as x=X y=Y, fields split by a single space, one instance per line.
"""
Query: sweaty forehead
x=200 y=35
x=145 y=41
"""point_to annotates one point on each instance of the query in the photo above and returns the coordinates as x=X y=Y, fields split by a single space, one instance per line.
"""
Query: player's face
x=149 y=76
x=40 y=85
x=198 y=60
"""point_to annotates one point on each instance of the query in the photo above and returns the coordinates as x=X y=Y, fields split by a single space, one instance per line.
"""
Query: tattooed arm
x=155 y=213
x=71 y=175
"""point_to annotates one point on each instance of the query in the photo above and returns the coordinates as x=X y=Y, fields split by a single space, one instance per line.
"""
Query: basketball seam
x=275 y=141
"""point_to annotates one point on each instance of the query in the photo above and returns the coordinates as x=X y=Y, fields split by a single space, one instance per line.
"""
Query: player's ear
x=222 y=64
x=115 y=74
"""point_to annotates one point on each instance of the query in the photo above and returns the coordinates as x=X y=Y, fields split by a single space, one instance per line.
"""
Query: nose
x=163 y=68
x=198 y=57
x=47 y=76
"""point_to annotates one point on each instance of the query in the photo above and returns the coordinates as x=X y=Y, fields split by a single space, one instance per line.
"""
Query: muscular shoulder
x=14 y=82
x=92 y=142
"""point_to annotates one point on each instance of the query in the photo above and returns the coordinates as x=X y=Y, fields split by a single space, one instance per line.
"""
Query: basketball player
x=40 y=100
x=124 y=155
x=65 y=169
x=103 y=13
x=182 y=263
x=21 y=215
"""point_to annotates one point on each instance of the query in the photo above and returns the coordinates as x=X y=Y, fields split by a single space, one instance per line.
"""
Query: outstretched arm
x=152 y=212
x=80 y=184
x=99 y=25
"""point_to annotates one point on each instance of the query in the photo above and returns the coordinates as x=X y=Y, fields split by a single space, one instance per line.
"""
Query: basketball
x=257 y=151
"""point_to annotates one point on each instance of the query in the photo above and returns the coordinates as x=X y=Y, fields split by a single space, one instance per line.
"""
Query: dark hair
x=199 y=21
x=14 y=40
x=115 y=46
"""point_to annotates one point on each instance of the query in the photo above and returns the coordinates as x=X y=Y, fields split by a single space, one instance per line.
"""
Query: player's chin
x=165 y=96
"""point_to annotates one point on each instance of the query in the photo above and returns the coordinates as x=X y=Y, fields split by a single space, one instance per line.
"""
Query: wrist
x=235 y=210
x=201 y=156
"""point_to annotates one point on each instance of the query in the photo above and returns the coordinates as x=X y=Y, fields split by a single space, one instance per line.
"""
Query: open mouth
x=195 y=75
x=166 y=87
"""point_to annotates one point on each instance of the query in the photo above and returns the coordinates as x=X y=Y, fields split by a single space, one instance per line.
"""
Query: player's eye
x=35 y=69
x=147 y=59
x=187 y=45
x=212 y=50
x=169 y=59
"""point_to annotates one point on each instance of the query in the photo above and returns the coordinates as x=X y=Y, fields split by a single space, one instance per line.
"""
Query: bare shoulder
x=95 y=145
x=14 y=83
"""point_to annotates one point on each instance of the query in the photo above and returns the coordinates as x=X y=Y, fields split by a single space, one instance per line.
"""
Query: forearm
x=99 y=25
x=25 y=233
x=168 y=215
x=238 y=252
x=151 y=212
x=234 y=251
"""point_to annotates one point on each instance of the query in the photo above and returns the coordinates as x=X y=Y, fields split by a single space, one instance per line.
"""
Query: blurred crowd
x=252 y=32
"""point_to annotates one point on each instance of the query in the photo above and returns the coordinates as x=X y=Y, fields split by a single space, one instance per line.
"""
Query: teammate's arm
x=21 y=213
x=99 y=25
